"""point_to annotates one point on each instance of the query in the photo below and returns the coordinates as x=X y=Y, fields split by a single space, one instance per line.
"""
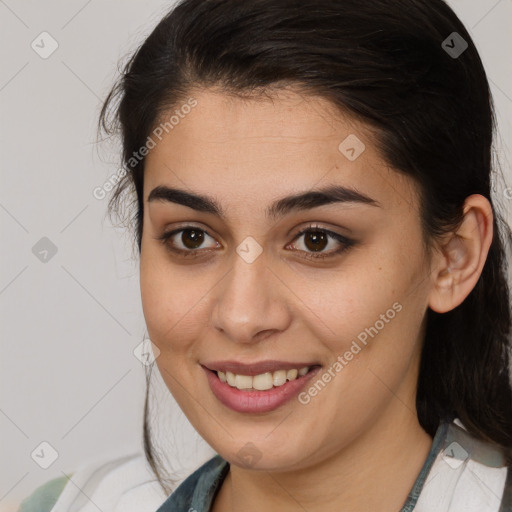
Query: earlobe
x=460 y=260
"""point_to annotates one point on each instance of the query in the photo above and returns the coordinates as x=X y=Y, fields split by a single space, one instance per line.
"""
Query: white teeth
x=292 y=374
x=243 y=381
x=279 y=378
x=230 y=377
x=263 y=381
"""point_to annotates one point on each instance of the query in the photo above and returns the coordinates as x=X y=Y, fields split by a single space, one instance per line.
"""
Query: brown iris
x=193 y=236
x=318 y=240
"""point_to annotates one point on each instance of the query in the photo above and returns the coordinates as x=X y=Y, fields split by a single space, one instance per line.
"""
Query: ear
x=462 y=255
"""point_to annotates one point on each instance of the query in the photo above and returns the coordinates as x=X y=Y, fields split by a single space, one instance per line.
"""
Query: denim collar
x=437 y=445
x=198 y=491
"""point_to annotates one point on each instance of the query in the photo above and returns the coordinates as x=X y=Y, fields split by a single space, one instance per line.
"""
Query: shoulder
x=468 y=474
x=125 y=483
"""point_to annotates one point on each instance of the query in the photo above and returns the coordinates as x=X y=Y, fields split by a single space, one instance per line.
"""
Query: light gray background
x=69 y=326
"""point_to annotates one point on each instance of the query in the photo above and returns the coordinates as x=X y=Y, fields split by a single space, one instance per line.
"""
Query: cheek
x=169 y=302
x=348 y=299
x=370 y=310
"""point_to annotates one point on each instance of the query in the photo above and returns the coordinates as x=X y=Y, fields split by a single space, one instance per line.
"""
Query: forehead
x=266 y=147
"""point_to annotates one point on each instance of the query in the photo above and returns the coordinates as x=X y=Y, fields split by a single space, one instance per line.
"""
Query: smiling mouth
x=263 y=381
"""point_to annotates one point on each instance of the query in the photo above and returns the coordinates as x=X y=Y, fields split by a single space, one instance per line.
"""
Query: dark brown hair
x=383 y=62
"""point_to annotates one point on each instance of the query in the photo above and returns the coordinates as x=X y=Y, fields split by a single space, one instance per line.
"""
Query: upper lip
x=255 y=368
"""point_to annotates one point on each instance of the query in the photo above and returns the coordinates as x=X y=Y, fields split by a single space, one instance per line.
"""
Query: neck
x=375 y=472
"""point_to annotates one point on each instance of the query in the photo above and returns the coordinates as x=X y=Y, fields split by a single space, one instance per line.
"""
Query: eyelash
x=194 y=253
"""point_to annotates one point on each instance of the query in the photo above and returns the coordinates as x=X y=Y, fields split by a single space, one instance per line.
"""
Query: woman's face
x=253 y=290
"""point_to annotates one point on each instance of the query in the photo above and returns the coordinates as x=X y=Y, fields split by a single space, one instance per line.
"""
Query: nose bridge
x=246 y=303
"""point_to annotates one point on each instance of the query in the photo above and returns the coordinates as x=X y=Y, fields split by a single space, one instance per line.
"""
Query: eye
x=191 y=239
x=316 y=239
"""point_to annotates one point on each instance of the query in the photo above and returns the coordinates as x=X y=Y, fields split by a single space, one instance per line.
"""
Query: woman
x=322 y=265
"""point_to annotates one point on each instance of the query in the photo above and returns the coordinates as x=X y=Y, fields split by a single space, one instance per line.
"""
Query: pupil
x=318 y=239
x=194 y=236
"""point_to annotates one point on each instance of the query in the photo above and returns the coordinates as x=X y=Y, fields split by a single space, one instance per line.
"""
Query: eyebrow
x=303 y=201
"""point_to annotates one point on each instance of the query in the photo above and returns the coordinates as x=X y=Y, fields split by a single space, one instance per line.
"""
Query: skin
x=358 y=444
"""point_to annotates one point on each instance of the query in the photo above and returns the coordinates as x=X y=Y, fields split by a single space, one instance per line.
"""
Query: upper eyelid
x=207 y=231
x=319 y=228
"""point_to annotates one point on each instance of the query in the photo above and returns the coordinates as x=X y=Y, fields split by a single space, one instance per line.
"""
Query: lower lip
x=256 y=401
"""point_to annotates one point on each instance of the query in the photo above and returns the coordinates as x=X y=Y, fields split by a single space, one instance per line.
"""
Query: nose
x=250 y=302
